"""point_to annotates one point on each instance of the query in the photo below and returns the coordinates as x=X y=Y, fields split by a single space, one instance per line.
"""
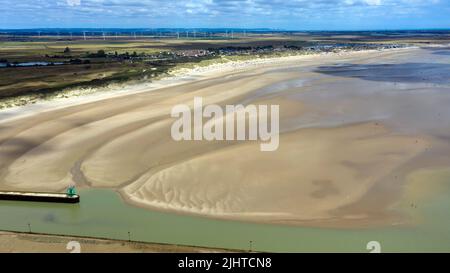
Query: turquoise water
x=102 y=213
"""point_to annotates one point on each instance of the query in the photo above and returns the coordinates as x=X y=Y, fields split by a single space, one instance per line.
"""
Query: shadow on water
x=429 y=73
x=442 y=52
x=445 y=51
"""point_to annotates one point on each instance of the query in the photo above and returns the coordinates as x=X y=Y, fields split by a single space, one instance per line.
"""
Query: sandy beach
x=353 y=125
x=175 y=77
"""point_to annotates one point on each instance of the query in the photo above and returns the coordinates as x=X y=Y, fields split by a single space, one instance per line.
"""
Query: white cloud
x=73 y=3
x=373 y=2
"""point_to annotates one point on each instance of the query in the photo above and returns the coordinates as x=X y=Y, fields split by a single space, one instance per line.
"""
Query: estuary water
x=103 y=214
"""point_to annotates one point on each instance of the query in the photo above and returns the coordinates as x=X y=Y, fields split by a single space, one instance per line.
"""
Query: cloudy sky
x=276 y=14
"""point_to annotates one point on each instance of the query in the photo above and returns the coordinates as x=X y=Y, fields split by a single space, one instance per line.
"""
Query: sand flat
x=346 y=132
x=313 y=172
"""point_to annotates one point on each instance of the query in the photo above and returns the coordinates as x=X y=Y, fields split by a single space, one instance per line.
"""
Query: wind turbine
x=84 y=35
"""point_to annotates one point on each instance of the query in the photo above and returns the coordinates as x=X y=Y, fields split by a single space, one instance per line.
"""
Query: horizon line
x=225 y=28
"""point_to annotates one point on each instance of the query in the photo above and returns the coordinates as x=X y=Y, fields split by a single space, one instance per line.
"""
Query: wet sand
x=353 y=127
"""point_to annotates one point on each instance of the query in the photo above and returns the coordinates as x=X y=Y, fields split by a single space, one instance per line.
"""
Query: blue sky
x=276 y=14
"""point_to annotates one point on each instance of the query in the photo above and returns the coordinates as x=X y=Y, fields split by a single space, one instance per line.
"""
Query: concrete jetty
x=39 y=197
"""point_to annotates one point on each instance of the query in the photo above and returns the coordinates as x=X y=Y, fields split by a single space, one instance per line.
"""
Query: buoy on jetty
x=70 y=196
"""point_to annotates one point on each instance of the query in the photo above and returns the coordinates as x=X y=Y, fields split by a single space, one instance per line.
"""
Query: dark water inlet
x=29 y=64
x=434 y=73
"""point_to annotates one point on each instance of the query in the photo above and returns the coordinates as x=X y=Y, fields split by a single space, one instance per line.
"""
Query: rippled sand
x=352 y=126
